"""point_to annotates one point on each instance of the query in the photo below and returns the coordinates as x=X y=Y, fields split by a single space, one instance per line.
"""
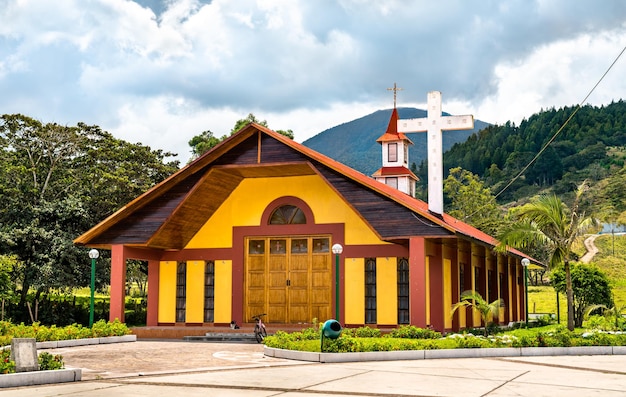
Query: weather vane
x=395 y=90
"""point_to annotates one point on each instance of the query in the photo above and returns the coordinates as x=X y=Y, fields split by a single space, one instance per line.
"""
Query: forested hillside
x=590 y=147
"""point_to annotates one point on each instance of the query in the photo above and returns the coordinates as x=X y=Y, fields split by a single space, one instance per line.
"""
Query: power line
x=562 y=127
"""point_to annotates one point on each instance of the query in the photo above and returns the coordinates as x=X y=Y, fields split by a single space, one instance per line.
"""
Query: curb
x=81 y=342
x=40 y=377
x=58 y=375
x=444 y=353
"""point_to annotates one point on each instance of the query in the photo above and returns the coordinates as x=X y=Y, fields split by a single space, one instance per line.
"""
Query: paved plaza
x=166 y=368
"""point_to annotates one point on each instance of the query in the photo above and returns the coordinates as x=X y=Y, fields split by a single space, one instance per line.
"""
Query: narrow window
x=392 y=152
x=492 y=290
x=209 y=291
x=403 y=291
x=462 y=278
x=181 y=291
x=370 y=291
x=477 y=282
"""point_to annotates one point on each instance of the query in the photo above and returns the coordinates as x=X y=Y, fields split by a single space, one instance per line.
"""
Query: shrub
x=75 y=331
x=469 y=341
x=48 y=361
x=413 y=332
x=7 y=365
x=362 y=332
x=103 y=329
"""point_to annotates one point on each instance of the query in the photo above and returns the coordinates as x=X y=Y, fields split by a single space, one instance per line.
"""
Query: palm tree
x=614 y=312
x=547 y=220
x=487 y=310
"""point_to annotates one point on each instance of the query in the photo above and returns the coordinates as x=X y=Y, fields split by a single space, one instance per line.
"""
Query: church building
x=250 y=227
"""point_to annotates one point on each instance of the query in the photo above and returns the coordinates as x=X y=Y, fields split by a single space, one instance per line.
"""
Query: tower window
x=392 y=181
x=392 y=152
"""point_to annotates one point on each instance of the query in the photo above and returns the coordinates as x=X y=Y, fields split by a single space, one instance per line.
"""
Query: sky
x=159 y=72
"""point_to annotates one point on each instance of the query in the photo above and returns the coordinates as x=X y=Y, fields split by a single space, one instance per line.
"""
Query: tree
x=474 y=300
x=251 y=118
x=614 y=312
x=55 y=183
x=471 y=201
x=204 y=142
x=590 y=287
x=547 y=221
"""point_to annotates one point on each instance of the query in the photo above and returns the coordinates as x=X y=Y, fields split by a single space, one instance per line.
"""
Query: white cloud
x=161 y=71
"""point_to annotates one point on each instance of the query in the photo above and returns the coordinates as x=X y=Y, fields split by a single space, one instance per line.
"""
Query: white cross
x=434 y=124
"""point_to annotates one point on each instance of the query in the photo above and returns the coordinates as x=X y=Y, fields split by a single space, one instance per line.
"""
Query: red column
x=118 y=283
x=436 y=290
x=417 y=281
x=153 y=293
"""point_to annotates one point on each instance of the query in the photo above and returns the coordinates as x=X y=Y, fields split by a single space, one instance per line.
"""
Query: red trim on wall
x=288 y=200
x=436 y=289
x=375 y=251
x=144 y=254
x=451 y=253
x=417 y=281
x=152 y=317
x=198 y=254
x=118 y=282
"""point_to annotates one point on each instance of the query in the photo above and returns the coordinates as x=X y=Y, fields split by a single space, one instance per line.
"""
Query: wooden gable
x=169 y=215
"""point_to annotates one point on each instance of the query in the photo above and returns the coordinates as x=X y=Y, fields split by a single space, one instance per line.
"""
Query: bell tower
x=395 y=170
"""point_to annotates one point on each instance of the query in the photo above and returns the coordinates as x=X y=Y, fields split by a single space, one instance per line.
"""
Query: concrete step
x=222 y=337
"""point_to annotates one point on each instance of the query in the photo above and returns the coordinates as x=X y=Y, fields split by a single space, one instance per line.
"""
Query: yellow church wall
x=475 y=263
x=194 y=305
x=500 y=270
x=355 y=291
x=167 y=292
x=223 y=291
x=447 y=292
x=248 y=201
x=386 y=291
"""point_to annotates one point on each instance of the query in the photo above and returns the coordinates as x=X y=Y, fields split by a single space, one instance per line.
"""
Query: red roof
x=418 y=206
x=395 y=171
x=392 y=133
x=412 y=203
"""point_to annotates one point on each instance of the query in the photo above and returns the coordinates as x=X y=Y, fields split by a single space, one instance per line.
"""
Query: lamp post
x=337 y=250
x=93 y=254
x=525 y=263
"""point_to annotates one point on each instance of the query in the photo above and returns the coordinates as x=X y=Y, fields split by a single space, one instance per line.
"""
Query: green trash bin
x=331 y=329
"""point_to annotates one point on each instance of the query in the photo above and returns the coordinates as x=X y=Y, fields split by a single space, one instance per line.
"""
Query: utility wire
x=555 y=134
x=562 y=127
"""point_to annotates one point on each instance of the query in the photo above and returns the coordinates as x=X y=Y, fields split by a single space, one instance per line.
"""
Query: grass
x=542 y=299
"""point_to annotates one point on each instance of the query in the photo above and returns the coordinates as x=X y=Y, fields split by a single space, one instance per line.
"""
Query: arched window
x=287 y=215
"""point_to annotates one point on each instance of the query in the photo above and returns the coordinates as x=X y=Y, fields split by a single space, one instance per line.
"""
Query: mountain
x=354 y=143
x=591 y=146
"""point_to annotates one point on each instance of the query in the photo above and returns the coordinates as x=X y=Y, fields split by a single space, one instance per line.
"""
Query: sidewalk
x=151 y=368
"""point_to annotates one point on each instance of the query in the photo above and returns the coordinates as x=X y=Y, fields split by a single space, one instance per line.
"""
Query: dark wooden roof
x=170 y=214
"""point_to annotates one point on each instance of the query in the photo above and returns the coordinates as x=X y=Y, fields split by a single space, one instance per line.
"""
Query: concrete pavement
x=151 y=368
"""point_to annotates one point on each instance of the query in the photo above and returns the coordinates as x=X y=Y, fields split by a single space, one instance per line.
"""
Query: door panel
x=290 y=279
x=256 y=277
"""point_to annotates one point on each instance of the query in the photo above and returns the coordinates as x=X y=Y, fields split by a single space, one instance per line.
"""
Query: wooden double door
x=288 y=278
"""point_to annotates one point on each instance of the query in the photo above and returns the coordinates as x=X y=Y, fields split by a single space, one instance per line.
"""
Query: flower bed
x=366 y=339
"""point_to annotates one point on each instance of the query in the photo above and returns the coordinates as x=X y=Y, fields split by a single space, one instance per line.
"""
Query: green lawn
x=543 y=299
